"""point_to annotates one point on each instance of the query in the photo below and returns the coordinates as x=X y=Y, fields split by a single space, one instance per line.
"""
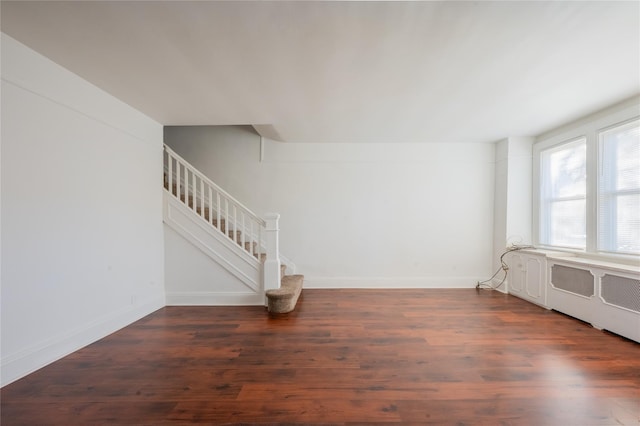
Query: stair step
x=174 y=186
x=174 y=191
x=223 y=223
x=223 y=226
x=166 y=185
x=283 y=300
x=199 y=210
x=237 y=238
x=263 y=256
x=249 y=246
x=182 y=198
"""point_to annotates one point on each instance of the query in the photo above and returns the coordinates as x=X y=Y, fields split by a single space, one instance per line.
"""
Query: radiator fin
x=577 y=281
x=621 y=291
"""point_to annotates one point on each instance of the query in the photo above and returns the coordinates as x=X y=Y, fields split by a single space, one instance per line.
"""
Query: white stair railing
x=214 y=205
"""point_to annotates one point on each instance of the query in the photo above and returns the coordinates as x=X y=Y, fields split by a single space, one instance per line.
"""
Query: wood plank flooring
x=461 y=357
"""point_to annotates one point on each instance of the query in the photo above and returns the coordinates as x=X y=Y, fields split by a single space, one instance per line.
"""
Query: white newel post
x=272 y=262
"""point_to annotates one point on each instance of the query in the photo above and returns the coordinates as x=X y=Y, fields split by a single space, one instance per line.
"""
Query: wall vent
x=573 y=280
x=621 y=291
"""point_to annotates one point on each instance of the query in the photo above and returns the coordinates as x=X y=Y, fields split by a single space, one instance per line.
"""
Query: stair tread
x=292 y=280
x=290 y=287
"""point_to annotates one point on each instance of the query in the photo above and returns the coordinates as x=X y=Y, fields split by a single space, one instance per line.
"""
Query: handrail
x=213 y=185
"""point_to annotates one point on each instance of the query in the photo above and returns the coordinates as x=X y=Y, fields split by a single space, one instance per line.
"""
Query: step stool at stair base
x=282 y=300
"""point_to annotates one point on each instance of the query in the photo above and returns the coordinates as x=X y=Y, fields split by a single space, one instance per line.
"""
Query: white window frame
x=589 y=128
x=614 y=193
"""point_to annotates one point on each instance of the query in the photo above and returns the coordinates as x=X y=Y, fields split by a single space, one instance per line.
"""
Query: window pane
x=628 y=224
x=563 y=195
x=568 y=169
x=628 y=176
x=568 y=224
x=619 y=189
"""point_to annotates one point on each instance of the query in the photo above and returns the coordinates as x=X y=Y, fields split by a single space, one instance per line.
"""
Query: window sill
x=622 y=263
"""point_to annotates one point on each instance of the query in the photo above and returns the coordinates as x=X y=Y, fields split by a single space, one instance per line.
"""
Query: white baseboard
x=214 y=299
x=390 y=282
x=26 y=361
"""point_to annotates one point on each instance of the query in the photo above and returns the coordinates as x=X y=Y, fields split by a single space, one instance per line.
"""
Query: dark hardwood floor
x=343 y=357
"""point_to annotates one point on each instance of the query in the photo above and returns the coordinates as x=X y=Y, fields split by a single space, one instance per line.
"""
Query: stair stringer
x=219 y=248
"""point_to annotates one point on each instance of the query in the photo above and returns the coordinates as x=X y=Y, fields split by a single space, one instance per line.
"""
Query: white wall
x=500 y=202
x=512 y=203
x=195 y=276
x=82 y=235
x=519 y=187
x=361 y=215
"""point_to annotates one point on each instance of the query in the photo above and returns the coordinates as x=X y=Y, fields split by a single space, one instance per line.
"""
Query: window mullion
x=591 y=206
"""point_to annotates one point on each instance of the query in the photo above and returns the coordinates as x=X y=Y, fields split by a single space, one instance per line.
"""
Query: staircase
x=229 y=233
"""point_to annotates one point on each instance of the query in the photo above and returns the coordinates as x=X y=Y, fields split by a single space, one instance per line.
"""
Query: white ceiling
x=347 y=71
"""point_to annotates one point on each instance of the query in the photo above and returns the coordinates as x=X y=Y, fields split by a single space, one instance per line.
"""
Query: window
x=587 y=185
x=563 y=195
x=619 y=189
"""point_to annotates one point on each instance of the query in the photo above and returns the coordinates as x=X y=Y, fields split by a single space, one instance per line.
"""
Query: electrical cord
x=486 y=284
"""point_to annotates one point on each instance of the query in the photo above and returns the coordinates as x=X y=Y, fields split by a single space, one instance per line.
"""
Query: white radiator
x=605 y=294
x=621 y=292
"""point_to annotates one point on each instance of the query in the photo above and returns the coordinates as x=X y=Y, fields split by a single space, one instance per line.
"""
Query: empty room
x=315 y=212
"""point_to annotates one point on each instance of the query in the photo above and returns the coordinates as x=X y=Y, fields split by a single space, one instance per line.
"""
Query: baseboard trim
x=390 y=282
x=214 y=299
x=29 y=360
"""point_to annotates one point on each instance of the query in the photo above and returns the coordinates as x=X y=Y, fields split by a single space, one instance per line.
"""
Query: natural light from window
x=619 y=189
x=564 y=189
